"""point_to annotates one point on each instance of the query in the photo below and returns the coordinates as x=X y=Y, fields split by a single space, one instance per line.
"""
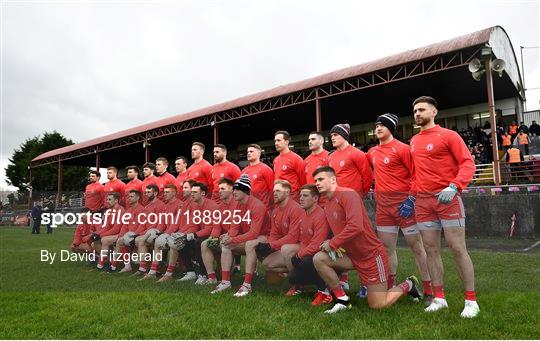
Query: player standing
x=443 y=166
x=180 y=165
x=318 y=156
x=200 y=170
x=163 y=177
x=261 y=176
x=288 y=165
x=222 y=168
x=93 y=194
x=393 y=170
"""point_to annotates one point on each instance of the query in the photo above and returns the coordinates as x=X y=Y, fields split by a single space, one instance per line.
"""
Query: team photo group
x=301 y=219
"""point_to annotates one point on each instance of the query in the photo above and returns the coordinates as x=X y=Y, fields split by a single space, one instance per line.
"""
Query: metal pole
x=59 y=194
x=318 y=120
x=216 y=134
x=146 y=152
x=29 y=187
x=522 y=69
x=98 y=161
x=491 y=105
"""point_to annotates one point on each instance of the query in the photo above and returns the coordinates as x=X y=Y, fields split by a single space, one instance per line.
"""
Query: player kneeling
x=82 y=239
x=107 y=234
x=356 y=246
x=282 y=243
x=211 y=247
x=250 y=226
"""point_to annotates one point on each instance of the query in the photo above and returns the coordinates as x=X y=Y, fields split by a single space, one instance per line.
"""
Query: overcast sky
x=90 y=68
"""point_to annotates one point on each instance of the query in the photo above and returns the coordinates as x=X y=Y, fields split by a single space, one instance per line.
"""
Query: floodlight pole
x=491 y=106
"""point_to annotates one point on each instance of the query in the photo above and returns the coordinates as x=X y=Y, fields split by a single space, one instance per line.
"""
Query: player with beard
x=318 y=156
x=261 y=176
x=174 y=229
x=282 y=243
x=444 y=167
x=288 y=165
x=210 y=254
x=172 y=206
x=222 y=168
x=200 y=170
x=251 y=225
x=393 y=169
x=93 y=194
x=134 y=182
x=153 y=207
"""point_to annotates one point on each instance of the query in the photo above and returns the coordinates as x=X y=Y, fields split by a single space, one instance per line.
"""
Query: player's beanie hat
x=342 y=129
x=243 y=184
x=390 y=121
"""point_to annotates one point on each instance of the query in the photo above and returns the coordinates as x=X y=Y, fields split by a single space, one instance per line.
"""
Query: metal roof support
x=59 y=194
x=493 y=123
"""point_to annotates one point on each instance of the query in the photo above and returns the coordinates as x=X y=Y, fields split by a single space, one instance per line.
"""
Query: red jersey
x=314 y=161
x=349 y=222
x=134 y=184
x=226 y=209
x=93 y=196
x=202 y=227
x=179 y=182
x=201 y=172
x=152 y=207
x=313 y=232
x=262 y=181
x=133 y=222
x=440 y=157
x=151 y=180
x=393 y=169
x=117 y=186
x=254 y=221
x=111 y=223
x=81 y=231
x=290 y=167
x=286 y=222
x=181 y=223
x=164 y=179
x=352 y=169
x=170 y=210
x=226 y=169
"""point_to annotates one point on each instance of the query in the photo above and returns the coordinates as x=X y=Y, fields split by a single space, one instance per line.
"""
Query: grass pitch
x=67 y=300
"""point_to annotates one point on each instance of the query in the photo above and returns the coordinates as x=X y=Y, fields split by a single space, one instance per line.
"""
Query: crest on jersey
x=341 y=163
x=310 y=231
x=429 y=146
x=284 y=167
x=334 y=215
x=386 y=160
x=412 y=148
x=196 y=173
x=373 y=160
x=285 y=224
x=254 y=176
x=221 y=175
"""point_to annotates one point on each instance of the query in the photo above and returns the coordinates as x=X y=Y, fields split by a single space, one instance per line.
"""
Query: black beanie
x=243 y=184
x=390 y=121
x=342 y=129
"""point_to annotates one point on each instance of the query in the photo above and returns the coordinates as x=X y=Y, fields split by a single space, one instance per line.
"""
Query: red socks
x=344 y=277
x=470 y=295
x=225 y=275
x=339 y=292
x=427 y=288
x=438 y=291
x=248 y=278
x=405 y=287
x=212 y=275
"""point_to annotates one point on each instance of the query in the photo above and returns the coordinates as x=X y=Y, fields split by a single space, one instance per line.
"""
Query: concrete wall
x=491 y=215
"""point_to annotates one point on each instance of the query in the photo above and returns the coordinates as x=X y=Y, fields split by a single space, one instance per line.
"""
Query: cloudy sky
x=89 y=68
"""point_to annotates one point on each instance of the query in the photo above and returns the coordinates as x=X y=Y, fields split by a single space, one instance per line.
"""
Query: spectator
x=36 y=217
x=513 y=130
x=523 y=140
x=514 y=157
x=534 y=128
x=506 y=142
x=523 y=127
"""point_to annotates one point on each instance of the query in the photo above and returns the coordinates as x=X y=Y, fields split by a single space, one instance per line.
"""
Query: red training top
x=254 y=221
x=314 y=161
x=313 y=232
x=352 y=169
x=201 y=171
x=93 y=196
x=286 y=222
x=262 y=181
x=290 y=167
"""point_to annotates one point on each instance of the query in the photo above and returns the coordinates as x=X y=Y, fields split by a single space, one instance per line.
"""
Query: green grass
x=67 y=301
